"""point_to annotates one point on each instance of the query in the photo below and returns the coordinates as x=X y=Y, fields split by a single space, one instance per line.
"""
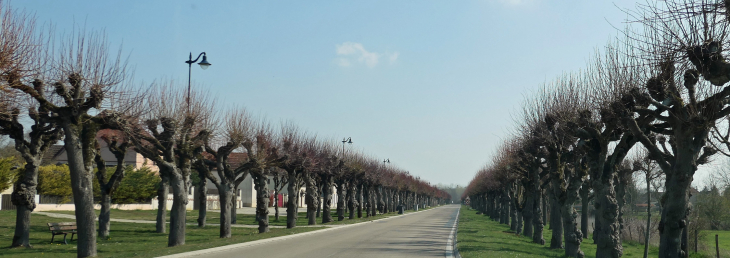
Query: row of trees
x=70 y=89
x=663 y=86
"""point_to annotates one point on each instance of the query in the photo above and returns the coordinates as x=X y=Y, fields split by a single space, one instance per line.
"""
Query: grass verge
x=479 y=236
x=709 y=242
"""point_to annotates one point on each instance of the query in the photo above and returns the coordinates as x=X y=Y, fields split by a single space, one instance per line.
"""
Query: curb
x=205 y=252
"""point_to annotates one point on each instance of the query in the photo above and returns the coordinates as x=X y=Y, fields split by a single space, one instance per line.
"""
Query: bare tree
x=86 y=77
x=22 y=59
x=684 y=42
x=108 y=185
x=171 y=134
x=651 y=172
x=238 y=127
x=280 y=180
x=296 y=149
x=263 y=153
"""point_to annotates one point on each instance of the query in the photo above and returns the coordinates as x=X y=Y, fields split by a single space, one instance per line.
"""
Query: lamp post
x=345 y=140
x=203 y=64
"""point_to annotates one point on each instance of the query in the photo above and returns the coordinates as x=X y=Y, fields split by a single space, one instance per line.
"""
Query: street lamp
x=203 y=64
x=345 y=140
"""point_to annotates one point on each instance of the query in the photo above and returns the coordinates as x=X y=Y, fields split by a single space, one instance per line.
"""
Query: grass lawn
x=723 y=240
x=127 y=239
x=478 y=236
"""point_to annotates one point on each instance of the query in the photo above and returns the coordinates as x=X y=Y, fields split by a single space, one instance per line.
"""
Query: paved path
x=420 y=234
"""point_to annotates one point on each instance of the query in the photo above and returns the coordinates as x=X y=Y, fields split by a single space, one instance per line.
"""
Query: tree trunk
x=556 y=224
x=506 y=208
x=312 y=198
x=262 y=201
x=518 y=222
x=584 y=201
x=327 y=199
x=352 y=201
x=276 y=205
x=202 y=193
x=234 y=208
x=685 y=243
x=373 y=201
x=225 y=195
x=674 y=211
x=359 y=201
x=527 y=213
x=606 y=232
x=537 y=219
x=23 y=197
x=292 y=204
x=513 y=214
x=380 y=201
x=387 y=200
x=79 y=150
x=341 y=201
x=162 y=192
x=178 y=213
x=573 y=236
x=367 y=200
x=319 y=200
x=545 y=210
x=105 y=214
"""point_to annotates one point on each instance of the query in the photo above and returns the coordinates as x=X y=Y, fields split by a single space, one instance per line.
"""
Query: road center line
x=450 y=243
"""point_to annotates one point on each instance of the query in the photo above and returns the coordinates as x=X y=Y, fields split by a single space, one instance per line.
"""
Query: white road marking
x=450 y=243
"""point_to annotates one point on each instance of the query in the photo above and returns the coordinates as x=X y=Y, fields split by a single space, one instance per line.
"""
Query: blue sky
x=431 y=85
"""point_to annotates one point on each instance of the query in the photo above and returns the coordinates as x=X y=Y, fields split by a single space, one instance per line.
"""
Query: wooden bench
x=62 y=228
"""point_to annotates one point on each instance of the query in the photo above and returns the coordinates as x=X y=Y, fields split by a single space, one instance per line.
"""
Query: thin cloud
x=352 y=52
x=393 y=57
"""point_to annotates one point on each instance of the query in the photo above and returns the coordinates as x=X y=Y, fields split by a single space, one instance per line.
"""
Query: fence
x=6 y=203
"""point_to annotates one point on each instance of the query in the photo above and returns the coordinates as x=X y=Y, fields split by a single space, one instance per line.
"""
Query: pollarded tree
x=238 y=126
x=557 y=112
x=611 y=76
x=685 y=43
x=86 y=84
x=262 y=153
x=114 y=140
x=340 y=179
x=310 y=176
x=280 y=180
x=330 y=167
x=296 y=150
x=21 y=61
x=172 y=134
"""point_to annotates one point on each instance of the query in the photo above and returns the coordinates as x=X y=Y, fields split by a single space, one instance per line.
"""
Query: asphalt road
x=422 y=234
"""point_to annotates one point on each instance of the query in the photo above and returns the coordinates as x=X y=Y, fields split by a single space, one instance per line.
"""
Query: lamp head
x=204 y=64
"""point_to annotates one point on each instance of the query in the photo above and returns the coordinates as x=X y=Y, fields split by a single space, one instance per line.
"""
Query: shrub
x=7 y=174
x=137 y=186
x=55 y=180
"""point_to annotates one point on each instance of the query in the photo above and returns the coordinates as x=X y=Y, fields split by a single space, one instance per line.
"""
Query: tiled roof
x=50 y=155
